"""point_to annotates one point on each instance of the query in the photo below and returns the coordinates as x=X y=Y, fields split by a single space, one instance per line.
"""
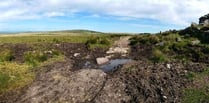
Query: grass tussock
x=36 y=58
x=101 y=42
x=6 y=55
x=14 y=76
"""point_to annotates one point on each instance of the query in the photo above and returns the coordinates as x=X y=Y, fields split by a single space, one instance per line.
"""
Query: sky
x=134 y=16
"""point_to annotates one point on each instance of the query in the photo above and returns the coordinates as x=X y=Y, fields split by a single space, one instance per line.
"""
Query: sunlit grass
x=14 y=76
x=43 y=39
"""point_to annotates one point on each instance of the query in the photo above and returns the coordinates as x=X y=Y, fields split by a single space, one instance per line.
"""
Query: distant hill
x=61 y=31
x=77 y=31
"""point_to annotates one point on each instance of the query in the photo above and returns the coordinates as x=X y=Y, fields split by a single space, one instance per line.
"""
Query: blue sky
x=100 y=15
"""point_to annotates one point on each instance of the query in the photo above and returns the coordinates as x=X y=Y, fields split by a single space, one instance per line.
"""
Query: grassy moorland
x=40 y=51
x=168 y=66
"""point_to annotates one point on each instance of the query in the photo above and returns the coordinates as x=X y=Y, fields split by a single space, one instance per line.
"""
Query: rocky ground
x=79 y=79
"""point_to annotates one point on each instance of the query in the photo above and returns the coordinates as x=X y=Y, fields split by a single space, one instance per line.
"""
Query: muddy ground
x=72 y=81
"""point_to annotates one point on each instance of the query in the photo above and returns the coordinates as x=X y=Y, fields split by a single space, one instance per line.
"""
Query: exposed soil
x=148 y=82
x=84 y=54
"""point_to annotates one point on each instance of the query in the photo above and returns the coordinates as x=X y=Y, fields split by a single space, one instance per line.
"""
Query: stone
x=118 y=50
x=102 y=60
x=178 y=39
x=76 y=54
x=195 y=42
x=168 y=66
x=48 y=52
x=160 y=44
x=57 y=45
x=109 y=56
x=165 y=97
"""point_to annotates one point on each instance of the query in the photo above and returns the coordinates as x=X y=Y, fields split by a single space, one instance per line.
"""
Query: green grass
x=43 y=39
x=72 y=36
x=200 y=92
x=195 y=96
x=6 y=55
x=37 y=57
x=99 y=42
x=14 y=76
x=158 y=56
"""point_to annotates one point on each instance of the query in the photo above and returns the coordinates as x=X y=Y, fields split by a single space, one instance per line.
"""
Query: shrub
x=98 y=42
x=179 y=46
x=153 y=39
x=145 y=39
x=6 y=55
x=92 y=40
x=158 y=56
x=206 y=50
x=35 y=57
x=133 y=40
x=105 y=41
x=55 y=40
x=56 y=53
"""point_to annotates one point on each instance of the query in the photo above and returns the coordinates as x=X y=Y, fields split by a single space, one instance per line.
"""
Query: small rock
x=195 y=42
x=87 y=57
x=160 y=44
x=168 y=66
x=48 y=52
x=165 y=97
x=178 y=39
x=57 y=45
x=76 y=54
x=124 y=55
x=102 y=60
x=109 y=56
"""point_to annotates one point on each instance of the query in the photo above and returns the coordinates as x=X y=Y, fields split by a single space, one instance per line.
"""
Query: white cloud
x=54 y=14
x=180 y=12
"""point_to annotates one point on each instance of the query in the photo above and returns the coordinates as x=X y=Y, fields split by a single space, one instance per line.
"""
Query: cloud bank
x=178 y=12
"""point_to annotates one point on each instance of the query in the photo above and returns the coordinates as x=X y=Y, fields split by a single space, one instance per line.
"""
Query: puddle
x=114 y=65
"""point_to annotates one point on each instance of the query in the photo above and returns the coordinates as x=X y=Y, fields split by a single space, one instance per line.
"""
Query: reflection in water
x=113 y=64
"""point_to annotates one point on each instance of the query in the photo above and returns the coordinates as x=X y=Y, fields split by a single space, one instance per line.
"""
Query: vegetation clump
x=36 y=57
x=6 y=55
x=144 y=39
x=158 y=56
x=14 y=76
x=94 y=42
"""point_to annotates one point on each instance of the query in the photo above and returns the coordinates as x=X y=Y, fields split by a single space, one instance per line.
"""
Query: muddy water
x=114 y=64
